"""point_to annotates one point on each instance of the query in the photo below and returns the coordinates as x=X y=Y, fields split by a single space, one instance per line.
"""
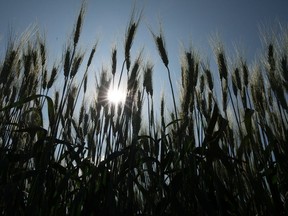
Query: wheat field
x=222 y=150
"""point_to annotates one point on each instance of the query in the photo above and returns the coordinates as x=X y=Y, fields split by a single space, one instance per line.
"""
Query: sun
x=115 y=96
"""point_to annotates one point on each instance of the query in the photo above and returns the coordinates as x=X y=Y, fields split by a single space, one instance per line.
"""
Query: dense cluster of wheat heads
x=221 y=151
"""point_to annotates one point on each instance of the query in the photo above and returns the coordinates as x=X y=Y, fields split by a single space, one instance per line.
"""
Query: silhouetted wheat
x=63 y=155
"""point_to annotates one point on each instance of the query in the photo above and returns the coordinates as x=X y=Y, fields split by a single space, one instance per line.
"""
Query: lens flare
x=116 y=96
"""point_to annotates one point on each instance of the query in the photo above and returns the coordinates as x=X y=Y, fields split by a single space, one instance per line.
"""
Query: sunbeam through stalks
x=115 y=96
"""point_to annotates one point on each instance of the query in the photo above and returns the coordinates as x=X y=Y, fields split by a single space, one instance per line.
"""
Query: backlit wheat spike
x=161 y=48
x=52 y=77
x=209 y=79
x=238 y=79
x=258 y=89
x=160 y=44
x=272 y=73
x=271 y=59
x=147 y=82
x=44 y=82
x=136 y=115
x=270 y=96
x=79 y=25
x=7 y=65
x=71 y=100
x=128 y=43
x=42 y=53
x=27 y=63
x=81 y=114
x=225 y=95
x=203 y=106
x=190 y=62
x=56 y=100
x=192 y=67
x=67 y=62
x=202 y=83
x=219 y=52
x=234 y=86
x=133 y=78
x=130 y=34
x=185 y=87
x=274 y=77
x=92 y=54
x=35 y=58
x=222 y=65
x=114 y=60
x=76 y=64
x=86 y=124
x=254 y=97
x=245 y=73
x=102 y=88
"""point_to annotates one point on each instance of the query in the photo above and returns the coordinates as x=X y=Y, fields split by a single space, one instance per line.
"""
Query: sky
x=187 y=22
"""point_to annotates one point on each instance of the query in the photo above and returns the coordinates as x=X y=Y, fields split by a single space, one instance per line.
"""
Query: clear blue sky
x=187 y=21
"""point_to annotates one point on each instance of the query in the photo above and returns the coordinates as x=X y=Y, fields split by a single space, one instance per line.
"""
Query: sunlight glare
x=116 y=96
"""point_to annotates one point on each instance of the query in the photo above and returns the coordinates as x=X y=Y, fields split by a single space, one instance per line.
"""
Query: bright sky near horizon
x=183 y=21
